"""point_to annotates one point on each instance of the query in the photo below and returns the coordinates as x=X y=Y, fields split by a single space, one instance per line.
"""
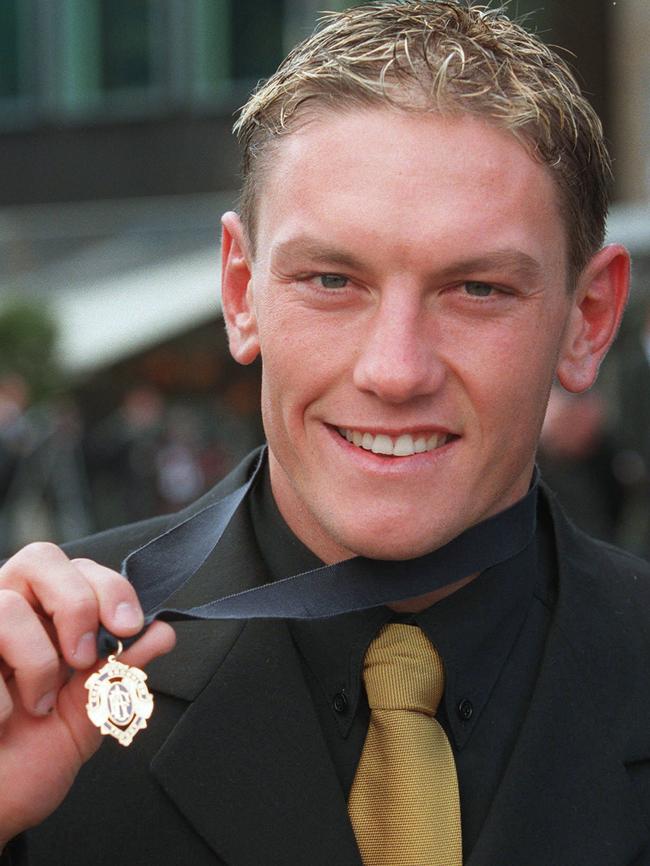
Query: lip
x=395 y=432
x=385 y=465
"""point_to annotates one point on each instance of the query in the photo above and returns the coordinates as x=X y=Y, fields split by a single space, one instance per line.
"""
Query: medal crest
x=119 y=702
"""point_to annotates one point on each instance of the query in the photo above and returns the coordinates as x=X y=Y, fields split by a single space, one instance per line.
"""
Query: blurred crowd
x=62 y=478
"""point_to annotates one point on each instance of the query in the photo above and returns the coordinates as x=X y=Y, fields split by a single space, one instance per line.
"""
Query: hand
x=50 y=609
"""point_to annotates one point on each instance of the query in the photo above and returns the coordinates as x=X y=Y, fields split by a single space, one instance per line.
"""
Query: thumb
x=158 y=639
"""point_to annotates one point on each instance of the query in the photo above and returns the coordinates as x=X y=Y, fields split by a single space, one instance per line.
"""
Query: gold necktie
x=404 y=805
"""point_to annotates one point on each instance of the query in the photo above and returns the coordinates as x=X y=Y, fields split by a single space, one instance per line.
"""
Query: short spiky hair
x=443 y=56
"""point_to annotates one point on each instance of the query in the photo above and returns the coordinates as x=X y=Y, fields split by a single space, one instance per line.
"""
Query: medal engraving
x=119 y=702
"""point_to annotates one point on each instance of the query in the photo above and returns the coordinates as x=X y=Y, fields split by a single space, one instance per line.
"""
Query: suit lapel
x=247 y=764
x=566 y=796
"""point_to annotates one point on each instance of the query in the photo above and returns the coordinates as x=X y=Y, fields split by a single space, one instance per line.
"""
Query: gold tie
x=404 y=805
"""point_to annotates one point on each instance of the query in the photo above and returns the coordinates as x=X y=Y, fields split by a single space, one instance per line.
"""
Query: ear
x=596 y=312
x=236 y=291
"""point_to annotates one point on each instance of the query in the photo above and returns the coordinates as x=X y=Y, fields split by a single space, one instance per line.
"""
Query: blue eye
x=477 y=289
x=333 y=281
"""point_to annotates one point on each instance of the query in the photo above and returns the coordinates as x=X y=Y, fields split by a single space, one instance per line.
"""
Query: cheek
x=302 y=356
x=289 y=383
x=509 y=384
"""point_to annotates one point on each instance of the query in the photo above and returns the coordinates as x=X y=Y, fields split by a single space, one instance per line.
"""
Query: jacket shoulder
x=604 y=592
x=578 y=547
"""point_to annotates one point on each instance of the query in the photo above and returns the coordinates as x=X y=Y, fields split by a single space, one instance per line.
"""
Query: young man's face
x=409 y=292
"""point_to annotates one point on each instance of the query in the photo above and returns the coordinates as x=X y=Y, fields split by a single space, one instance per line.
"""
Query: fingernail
x=127 y=616
x=46 y=704
x=86 y=652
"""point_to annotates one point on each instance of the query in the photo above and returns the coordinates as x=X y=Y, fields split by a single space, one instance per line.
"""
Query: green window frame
x=111 y=56
x=17 y=80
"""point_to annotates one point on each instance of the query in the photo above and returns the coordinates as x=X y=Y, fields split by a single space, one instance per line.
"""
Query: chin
x=381 y=547
x=376 y=536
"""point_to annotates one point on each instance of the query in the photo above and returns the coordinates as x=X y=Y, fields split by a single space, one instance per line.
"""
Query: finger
x=46 y=577
x=6 y=705
x=158 y=639
x=119 y=607
x=17 y=572
x=27 y=649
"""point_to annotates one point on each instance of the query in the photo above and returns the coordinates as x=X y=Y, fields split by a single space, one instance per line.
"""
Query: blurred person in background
x=577 y=459
x=122 y=453
x=630 y=400
x=44 y=492
x=418 y=256
x=178 y=462
x=14 y=396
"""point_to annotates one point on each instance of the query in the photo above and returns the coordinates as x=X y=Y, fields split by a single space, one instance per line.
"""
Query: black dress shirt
x=490 y=635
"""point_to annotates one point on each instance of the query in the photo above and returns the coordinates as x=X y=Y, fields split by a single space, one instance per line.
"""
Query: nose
x=397 y=359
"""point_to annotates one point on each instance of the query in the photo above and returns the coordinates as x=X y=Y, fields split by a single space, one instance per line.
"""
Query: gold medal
x=119 y=702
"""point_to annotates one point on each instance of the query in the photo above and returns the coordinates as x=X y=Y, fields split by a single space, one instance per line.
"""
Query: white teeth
x=382 y=444
x=403 y=446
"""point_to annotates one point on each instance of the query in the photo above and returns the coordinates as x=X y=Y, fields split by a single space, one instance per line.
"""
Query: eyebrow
x=316 y=252
x=512 y=261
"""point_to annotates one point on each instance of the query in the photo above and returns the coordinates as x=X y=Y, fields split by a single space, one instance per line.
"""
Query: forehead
x=407 y=179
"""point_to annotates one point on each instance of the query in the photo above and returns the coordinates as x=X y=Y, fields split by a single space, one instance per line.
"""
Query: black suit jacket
x=233 y=768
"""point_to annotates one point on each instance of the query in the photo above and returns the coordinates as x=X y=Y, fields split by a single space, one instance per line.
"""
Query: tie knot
x=403 y=670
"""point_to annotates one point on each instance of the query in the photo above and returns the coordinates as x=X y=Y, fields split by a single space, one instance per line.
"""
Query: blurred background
x=117 y=396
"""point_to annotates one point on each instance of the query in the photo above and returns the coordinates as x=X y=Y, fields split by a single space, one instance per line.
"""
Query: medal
x=119 y=702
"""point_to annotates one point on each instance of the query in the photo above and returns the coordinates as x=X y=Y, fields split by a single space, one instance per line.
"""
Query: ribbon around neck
x=166 y=563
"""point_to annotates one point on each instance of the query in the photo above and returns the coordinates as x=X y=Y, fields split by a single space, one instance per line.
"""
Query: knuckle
x=127 y=590
x=38 y=551
x=11 y=604
x=84 y=562
x=79 y=607
x=6 y=709
x=44 y=666
x=33 y=556
x=99 y=574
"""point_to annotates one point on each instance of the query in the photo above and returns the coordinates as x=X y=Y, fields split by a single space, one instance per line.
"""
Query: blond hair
x=449 y=57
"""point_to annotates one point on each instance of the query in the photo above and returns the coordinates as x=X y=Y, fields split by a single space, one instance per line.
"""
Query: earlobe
x=236 y=291
x=599 y=302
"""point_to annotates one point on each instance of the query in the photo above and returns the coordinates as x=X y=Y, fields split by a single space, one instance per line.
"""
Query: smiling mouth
x=404 y=445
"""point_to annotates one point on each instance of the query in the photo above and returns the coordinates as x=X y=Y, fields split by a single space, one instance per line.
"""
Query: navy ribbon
x=166 y=563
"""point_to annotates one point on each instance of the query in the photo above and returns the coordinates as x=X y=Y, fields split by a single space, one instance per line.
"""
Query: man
x=417 y=257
